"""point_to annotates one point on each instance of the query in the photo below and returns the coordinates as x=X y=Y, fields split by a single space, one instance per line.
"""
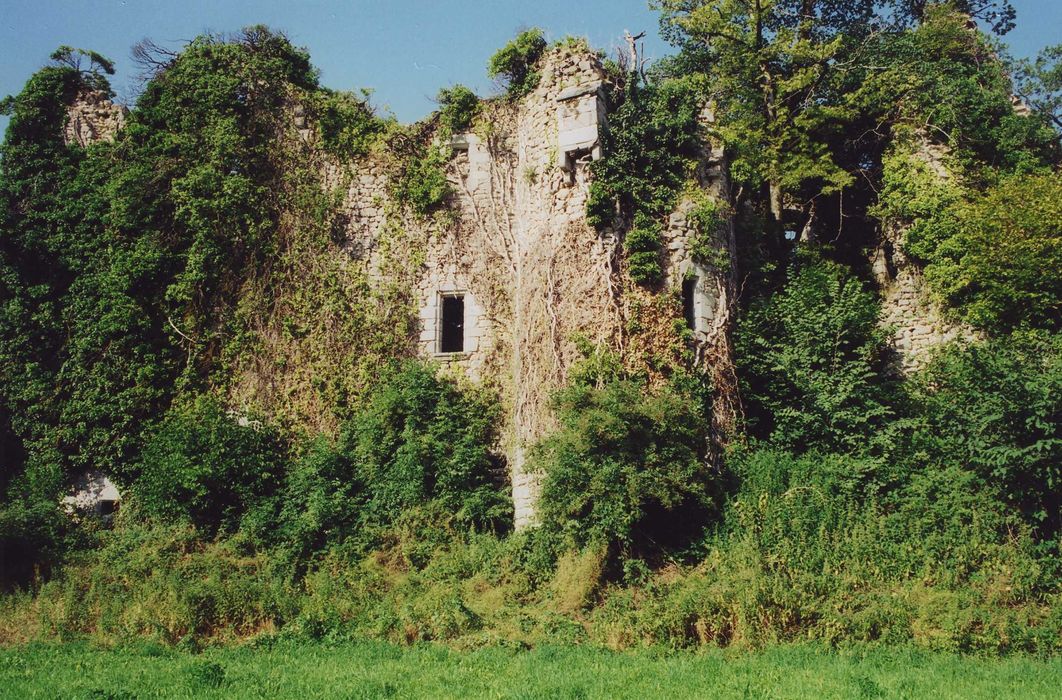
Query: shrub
x=347 y=123
x=515 y=62
x=459 y=106
x=421 y=182
x=204 y=466
x=32 y=539
x=642 y=245
x=810 y=358
x=420 y=438
x=322 y=498
x=164 y=583
x=995 y=408
x=625 y=462
x=1001 y=267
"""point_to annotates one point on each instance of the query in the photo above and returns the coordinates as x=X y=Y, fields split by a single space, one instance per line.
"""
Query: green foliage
x=946 y=80
x=1039 y=83
x=420 y=182
x=652 y=141
x=997 y=263
x=810 y=359
x=994 y=409
x=139 y=245
x=348 y=125
x=418 y=438
x=93 y=75
x=459 y=106
x=626 y=460
x=642 y=244
x=33 y=538
x=322 y=499
x=771 y=69
x=515 y=62
x=207 y=467
x=708 y=217
x=994 y=263
x=167 y=585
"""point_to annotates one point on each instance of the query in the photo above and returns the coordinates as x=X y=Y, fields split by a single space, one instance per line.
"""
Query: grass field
x=307 y=670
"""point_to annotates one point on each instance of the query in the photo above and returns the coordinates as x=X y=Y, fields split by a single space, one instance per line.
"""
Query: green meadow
x=287 y=669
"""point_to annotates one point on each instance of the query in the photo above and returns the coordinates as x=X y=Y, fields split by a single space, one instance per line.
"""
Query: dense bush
x=945 y=79
x=995 y=409
x=811 y=550
x=627 y=463
x=418 y=437
x=33 y=538
x=210 y=468
x=515 y=62
x=322 y=499
x=998 y=264
x=458 y=107
x=347 y=123
x=810 y=359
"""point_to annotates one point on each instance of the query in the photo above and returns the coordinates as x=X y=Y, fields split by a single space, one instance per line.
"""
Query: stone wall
x=918 y=323
x=712 y=281
x=533 y=273
x=92 y=117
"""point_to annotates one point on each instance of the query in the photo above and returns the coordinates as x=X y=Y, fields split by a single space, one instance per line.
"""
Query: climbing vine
x=650 y=148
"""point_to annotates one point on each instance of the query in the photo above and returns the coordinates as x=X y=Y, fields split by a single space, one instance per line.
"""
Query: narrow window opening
x=452 y=337
x=689 y=286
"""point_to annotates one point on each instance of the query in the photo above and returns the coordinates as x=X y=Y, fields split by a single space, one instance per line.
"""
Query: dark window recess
x=453 y=324
x=108 y=507
x=689 y=286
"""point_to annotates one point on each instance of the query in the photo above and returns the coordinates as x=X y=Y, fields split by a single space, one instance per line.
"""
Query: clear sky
x=405 y=50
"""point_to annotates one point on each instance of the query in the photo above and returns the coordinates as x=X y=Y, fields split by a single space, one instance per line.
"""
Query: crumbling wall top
x=92 y=117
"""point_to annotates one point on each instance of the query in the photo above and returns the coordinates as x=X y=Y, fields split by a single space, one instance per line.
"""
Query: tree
x=997 y=14
x=1039 y=83
x=810 y=358
x=770 y=62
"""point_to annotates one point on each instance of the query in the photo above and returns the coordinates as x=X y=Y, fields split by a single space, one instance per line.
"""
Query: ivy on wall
x=650 y=150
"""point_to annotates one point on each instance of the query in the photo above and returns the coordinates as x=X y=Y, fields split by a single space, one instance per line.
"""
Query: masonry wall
x=533 y=274
x=919 y=324
x=92 y=117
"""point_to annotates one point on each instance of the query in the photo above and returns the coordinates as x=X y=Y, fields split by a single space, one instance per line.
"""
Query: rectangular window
x=452 y=323
x=689 y=287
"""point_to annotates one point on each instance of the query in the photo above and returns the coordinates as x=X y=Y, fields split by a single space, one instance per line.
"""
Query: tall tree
x=1039 y=83
x=770 y=63
x=997 y=14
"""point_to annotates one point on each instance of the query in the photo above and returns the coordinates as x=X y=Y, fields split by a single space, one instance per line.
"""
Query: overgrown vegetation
x=458 y=108
x=515 y=62
x=626 y=462
x=653 y=139
x=859 y=505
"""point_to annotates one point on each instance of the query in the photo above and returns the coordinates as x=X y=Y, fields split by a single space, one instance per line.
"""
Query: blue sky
x=404 y=50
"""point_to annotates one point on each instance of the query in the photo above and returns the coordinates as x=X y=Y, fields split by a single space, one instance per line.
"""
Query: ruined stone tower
x=917 y=322
x=511 y=275
x=509 y=281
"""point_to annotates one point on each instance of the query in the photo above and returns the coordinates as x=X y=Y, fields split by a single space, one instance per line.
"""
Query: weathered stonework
x=918 y=323
x=533 y=274
x=92 y=117
x=513 y=244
